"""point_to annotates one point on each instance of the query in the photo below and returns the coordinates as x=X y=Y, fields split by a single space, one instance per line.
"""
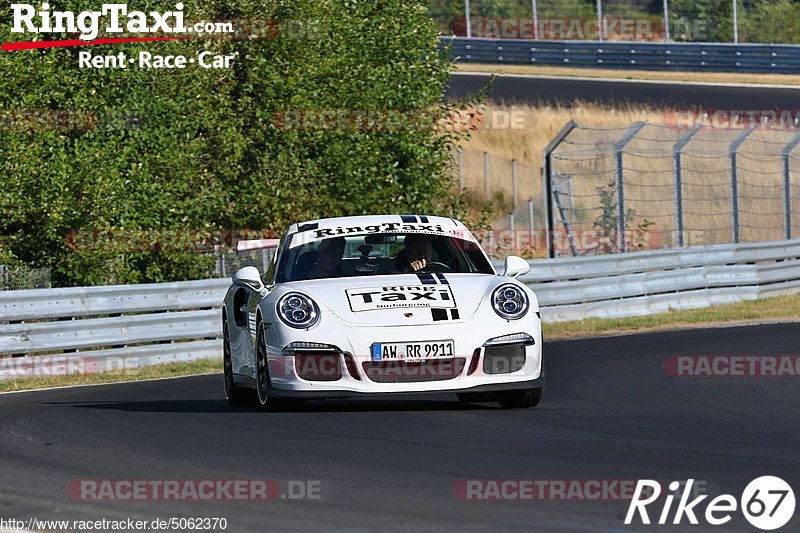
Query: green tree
x=204 y=149
x=772 y=21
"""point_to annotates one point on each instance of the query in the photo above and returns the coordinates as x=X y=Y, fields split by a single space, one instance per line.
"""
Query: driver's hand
x=418 y=265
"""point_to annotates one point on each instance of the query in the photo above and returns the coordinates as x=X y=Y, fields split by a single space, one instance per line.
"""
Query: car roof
x=327 y=223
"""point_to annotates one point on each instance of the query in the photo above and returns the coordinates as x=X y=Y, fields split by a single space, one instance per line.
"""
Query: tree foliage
x=201 y=149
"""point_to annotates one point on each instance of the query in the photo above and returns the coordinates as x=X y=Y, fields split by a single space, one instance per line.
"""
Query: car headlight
x=510 y=302
x=297 y=310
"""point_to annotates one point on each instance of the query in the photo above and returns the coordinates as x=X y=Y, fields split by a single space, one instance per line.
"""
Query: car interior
x=379 y=254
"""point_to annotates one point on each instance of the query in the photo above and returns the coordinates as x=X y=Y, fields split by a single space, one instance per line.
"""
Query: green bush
x=198 y=149
x=776 y=21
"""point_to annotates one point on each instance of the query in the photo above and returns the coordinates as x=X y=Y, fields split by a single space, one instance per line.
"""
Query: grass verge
x=172 y=370
x=777 y=309
x=574 y=72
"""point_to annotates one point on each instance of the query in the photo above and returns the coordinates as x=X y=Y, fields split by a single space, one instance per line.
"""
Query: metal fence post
x=460 y=157
x=514 y=184
x=467 y=17
x=787 y=185
x=732 y=149
x=512 y=228
x=620 y=182
x=677 y=149
x=486 y=173
x=564 y=220
x=530 y=217
x=600 y=21
x=547 y=184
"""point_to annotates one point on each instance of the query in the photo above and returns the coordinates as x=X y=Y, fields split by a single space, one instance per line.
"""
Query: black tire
x=265 y=401
x=513 y=399
x=234 y=394
x=474 y=397
x=522 y=398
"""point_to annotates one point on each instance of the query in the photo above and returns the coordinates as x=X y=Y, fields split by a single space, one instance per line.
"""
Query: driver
x=418 y=252
x=329 y=258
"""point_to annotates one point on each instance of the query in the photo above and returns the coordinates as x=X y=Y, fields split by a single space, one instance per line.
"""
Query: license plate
x=414 y=351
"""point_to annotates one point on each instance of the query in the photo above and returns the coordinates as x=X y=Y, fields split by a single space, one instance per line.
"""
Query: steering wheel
x=437 y=267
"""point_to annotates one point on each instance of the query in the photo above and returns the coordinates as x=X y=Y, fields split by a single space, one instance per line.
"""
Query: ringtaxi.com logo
x=767 y=503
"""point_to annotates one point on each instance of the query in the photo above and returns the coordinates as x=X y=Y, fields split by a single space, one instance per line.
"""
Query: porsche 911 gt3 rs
x=359 y=306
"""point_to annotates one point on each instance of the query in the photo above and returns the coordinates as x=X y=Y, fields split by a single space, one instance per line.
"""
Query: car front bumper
x=348 y=393
x=468 y=371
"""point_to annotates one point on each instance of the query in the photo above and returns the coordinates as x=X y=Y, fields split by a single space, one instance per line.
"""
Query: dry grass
x=539 y=124
x=708 y=77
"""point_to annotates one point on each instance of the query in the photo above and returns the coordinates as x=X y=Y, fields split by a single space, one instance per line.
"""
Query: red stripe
x=29 y=45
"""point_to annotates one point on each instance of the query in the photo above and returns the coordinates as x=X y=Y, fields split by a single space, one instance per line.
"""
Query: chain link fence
x=13 y=280
x=514 y=189
x=651 y=186
x=639 y=187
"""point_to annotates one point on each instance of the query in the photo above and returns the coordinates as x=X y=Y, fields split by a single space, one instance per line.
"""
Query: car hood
x=399 y=299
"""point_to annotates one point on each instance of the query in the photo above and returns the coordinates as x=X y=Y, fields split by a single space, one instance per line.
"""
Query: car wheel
x=512 y=399
x=265 y=401
x=262 y=372
x=521 y=398
x=234 y=394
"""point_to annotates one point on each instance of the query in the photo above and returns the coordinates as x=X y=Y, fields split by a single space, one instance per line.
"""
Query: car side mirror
x=515 y=266
x=248 y=277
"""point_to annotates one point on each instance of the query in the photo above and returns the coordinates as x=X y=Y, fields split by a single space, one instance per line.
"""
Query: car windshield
x=380 y=254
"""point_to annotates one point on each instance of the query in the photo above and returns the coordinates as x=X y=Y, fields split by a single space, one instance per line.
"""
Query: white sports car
x=359 y=306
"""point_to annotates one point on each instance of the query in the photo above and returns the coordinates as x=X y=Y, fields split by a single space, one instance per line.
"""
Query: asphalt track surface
x=609 y=411
x=658 y=94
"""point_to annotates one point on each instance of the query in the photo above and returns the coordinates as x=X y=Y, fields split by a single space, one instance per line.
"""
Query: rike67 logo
x=767 y=503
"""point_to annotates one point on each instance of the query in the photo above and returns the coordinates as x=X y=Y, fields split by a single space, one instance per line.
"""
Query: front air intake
x=314 y=361
x=503 y=359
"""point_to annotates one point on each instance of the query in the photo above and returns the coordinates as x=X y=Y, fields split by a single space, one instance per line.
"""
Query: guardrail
x=641 y=283
x=631 y=55
x=92 y=329
x=99 y=328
